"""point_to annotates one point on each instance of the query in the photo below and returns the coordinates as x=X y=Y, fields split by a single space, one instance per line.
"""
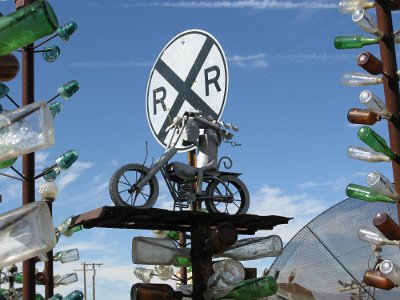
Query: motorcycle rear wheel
x=228 y=186
x=123 y=190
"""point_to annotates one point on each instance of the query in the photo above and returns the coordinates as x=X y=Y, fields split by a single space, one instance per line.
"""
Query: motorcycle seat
x=181 y=170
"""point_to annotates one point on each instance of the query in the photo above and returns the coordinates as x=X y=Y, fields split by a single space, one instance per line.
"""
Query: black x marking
x=184 y=88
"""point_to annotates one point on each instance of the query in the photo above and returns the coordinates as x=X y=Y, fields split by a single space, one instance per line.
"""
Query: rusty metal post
x=390 y=82
x=28 y=166
x=48 y=267
x=201 y=259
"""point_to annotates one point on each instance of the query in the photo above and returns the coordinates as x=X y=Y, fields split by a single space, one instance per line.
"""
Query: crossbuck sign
x=190 y=74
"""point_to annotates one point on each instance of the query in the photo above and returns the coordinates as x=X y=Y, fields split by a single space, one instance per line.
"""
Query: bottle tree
x=383 y=71
x=19 y=30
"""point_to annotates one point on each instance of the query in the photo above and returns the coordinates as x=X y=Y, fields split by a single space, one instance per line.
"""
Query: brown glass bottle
x=376 y=279
x=387 y=226
x=362 y=116
x=370 y=63
x=152 y=291
x=9 y=67
x=223 y=236
x=394 y=5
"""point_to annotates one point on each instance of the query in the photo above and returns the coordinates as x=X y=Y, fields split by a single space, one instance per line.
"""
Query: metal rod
x=390 y=80
x=44 y=42
x=12 y=100
x=18 y=172
x=48 y=267
x=28 y=168
x=56 y=96
x=10 y=176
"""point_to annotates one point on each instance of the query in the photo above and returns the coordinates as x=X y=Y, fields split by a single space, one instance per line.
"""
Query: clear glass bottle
x=9 y=67
x=367 y=235
x=366 y=22
x=381 y=184
x=227 y=275
x=66 y=279
x=366 y=194
x=143 y=274
x=391 y=271
x=370 y=100
x=360 y=79
x=26 y=25
x=254 y=248
x=352 y=42
x=375 y=141
x=348 y=6
x=366 y=154
x=362 y=116
x=66 y=256
x=164 y=272
x=65 y=230
x=254 y=288
x=370 y=63
x=156 y=251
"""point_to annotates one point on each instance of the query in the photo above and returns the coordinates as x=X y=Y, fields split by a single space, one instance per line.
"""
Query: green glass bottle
x=67 y=30
x=183 y=262
x=4 y=89
x=56 y=297
x=366 y=194
x=68 y=89
x=66 y=160
x=26 y=25
x=8 y=163
x=52 y=175
x=75 y=295
x=55 y=108
x=351 y=42
x=39 y=297
x=375 y=141
x=254 y=288
x=173 y=235
x=50 y=53
x=18 y=278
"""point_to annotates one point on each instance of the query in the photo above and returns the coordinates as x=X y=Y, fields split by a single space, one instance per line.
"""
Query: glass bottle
x=222 y=237
x=360 y=79
x=254 y=248
x=55 y=108
x=375 y=141
x=227 y=275
x=164 y=272
x=26 y=25
x=68 y=89
x=152 y=291
x=50 y=53
x=381 y=184
x=366 y=154
x=366 y=22
x=66 y=279
x=387 y=226
x=366 y=235
x=254 y=288
x=66 y=256
x=56 y=297
x=366 y=194
x=143 y=274
x=65 y=230
x=66 y=160
x=4 y=89
x=351 y=42
x=370 y=100
x=65 y=31
x=348 y=6
x=156 y=251
x=75 y=295
x=370 y=63
x=39 y=297
x=362 y=116
x=9 y=67
x=8 y=163
x=376 y=279
x=391 y=271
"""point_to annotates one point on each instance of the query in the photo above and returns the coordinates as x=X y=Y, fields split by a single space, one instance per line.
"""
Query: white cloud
x=336 y=185
x=255 y=61
x=117 y=64
x=252 y=4
x=73 y=174
x=274 y=201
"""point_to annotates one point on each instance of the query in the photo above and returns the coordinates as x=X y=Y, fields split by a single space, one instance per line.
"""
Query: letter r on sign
x=159 y=100
x=213 y=80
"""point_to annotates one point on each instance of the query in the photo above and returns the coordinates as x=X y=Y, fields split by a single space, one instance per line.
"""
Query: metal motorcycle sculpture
x=223 y=192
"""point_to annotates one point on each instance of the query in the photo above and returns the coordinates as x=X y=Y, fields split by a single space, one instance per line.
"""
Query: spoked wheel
x=124 y=190
x=227 y=194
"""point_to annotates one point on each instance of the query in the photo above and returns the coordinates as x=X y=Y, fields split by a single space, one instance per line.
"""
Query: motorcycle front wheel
x=124 y=191
x=227 y=194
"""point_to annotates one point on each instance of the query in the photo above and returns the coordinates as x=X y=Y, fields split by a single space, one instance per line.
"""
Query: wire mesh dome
x=326 y=260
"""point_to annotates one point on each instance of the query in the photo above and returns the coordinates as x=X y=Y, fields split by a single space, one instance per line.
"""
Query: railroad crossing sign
x=190 y=74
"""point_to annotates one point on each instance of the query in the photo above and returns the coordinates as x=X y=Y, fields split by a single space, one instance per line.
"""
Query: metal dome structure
x=326 y=260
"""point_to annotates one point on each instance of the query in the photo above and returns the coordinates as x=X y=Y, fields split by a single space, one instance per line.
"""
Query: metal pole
x=94 y=282
x=48 y=267
x=28 y=167
x=84 y=279
x=390 y=82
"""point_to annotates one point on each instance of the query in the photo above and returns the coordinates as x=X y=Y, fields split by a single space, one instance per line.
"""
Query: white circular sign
x=190 y=74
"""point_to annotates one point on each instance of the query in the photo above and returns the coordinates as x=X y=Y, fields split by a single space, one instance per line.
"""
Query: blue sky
x=284 y=94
